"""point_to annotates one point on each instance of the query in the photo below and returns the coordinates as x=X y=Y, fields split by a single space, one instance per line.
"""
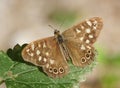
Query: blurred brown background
x=22 y=21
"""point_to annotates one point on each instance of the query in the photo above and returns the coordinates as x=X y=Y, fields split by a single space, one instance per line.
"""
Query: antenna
x=62 y=23
x=64 y=17
x=59 y=25
x=52 y=27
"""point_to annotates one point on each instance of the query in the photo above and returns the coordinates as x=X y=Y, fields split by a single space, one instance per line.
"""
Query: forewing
x=46 y=53
x=80 y=39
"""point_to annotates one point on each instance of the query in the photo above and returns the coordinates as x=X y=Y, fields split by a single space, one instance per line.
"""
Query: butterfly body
x=61 y=42
x=58 y=36
x=75 y=44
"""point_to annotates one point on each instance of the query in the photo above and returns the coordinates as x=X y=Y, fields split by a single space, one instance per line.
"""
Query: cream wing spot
x=31 y=54
x=89 y=22
x=40 y=58
x=90 y=36
x=47 y=65
x=47 y=53
x=44 y=45
x=39 y=45
x=27 y=50
x=44 y=59
x=32 y=46
x=87 y=41
x=78 y=30
x=88 y=47
x=38 y=52
x=82 y=47
x=82 y=27
x=81 y=39
x=52 y=61
x=95 y=22
x=87 y=30
x=95 y=25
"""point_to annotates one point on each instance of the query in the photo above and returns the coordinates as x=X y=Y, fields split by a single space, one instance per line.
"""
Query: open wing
x=80 y=39
x=46 y=53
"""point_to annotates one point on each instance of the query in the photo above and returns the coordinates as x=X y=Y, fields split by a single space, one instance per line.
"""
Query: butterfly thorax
x=58 y=36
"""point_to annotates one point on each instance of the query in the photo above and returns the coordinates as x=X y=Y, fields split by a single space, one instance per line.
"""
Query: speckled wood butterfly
x=75 y=44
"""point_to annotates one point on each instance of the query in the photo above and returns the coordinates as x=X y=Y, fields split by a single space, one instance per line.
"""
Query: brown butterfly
x=74 y=44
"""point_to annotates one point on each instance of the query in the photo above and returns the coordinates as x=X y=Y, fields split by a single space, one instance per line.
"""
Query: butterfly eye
x=83 y=60
x=56 y=32
x=61 y=70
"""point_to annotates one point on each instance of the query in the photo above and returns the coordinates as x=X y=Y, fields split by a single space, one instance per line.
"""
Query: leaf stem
x=13 y=65
x=45 y=83
x=25 y=71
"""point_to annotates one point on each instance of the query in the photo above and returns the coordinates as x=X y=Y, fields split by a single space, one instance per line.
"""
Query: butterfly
x=75 y=44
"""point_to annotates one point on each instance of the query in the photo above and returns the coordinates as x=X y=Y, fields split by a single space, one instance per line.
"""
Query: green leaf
x=17 y=74
x=5 y=65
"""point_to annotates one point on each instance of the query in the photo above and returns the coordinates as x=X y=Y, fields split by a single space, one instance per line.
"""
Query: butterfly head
x=56 y=32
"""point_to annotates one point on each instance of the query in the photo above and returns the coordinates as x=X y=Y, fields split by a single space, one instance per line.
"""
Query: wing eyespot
x=89 y=51
x=87 y=56
x=61 y=70
x=83 y=60
x=50 y=69
x=55 y=71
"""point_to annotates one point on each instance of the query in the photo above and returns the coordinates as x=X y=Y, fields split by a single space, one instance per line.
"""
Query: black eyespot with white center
x=50 y=69
x=55 y=71
x=87 y=56
x=61 y=70
x=83 y=60
x=89 y=51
